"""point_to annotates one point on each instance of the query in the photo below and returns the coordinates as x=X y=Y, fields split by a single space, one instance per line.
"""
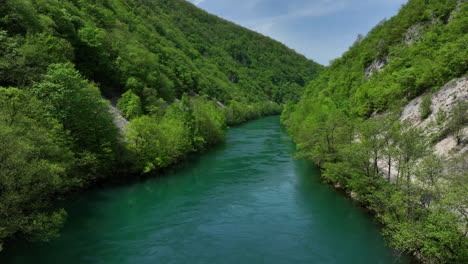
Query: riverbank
x=420 y=207
x=245 y=201
x=146 y=147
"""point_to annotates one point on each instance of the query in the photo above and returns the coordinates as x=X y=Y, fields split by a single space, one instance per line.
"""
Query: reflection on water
x=247 y=201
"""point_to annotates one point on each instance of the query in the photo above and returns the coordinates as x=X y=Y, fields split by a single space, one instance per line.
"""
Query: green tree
x=130 y=105
x=458 y=120
x=425 y=107
x=35 y=167
x=77 y=104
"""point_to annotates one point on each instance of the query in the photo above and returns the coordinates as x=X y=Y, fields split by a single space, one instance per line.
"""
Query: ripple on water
x=247 y=201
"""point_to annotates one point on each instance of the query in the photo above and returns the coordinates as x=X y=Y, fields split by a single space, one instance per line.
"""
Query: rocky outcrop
x=456 y=10
x=449 y=146
x=414 y=34
x=220 y=104
x=377 y=65
x=119 y=120
x=443 y=103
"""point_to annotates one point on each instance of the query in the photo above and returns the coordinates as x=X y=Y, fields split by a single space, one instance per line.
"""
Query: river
x=246 y=201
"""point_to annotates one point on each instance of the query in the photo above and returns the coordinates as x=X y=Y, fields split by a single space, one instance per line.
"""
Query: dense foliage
x=158 y=47
x=386 y=164
x=423 y=47
x=177 y=73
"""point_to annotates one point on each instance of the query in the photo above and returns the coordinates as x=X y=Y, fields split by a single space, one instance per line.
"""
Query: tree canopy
x=176 y=73
x=347 y=122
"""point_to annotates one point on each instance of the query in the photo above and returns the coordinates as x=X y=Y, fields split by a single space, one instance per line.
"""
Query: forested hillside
x=349 y=122
x=178 y=75
x=169 y=47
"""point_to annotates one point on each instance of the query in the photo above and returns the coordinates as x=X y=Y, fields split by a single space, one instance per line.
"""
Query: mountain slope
x=351 y=123
x=420 y=49
x=168 y=46
x=177 y=75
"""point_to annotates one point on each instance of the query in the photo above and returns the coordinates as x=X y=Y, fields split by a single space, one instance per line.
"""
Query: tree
x=372 y=142
x=80 y=109
x=458 y=120
x=429 y=172
x=35 y=165
x=324 y=134
x=78 y=105
x=209 y=121
x=390 y=131
x=425 y=107
x=130 y=105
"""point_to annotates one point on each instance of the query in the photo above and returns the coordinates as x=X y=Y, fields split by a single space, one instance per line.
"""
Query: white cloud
x=315 y=9
x=320 y=29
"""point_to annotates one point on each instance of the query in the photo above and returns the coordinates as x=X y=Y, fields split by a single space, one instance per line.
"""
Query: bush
x=130 y=105
x=425 y=107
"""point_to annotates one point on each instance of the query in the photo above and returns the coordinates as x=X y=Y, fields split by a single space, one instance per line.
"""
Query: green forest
x=179 y=75
x=100 y=90
x=348 y=124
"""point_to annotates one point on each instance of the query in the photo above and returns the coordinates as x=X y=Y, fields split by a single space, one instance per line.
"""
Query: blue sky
x=319 y=29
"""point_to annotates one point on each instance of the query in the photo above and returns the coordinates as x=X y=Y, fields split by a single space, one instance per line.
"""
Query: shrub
x=425 y=107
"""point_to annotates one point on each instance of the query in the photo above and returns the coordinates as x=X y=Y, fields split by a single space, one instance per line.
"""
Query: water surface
x=247 y=201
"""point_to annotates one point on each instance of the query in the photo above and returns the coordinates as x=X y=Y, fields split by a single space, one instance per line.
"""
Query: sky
x=322 y=30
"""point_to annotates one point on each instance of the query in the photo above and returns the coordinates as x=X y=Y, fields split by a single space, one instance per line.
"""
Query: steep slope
x=352 y=123
x=170 y=47
x=420 y=49
x=254 y=62
x=176 y=75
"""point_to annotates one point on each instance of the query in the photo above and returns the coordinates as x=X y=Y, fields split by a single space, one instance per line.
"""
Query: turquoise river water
x=246 y=201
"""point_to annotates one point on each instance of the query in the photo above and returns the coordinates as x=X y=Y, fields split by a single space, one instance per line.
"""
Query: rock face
x=377 y=65
x=413 y=34
x=443 y=102
x=456 y=10
x=118 y=119
x=220 y=104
